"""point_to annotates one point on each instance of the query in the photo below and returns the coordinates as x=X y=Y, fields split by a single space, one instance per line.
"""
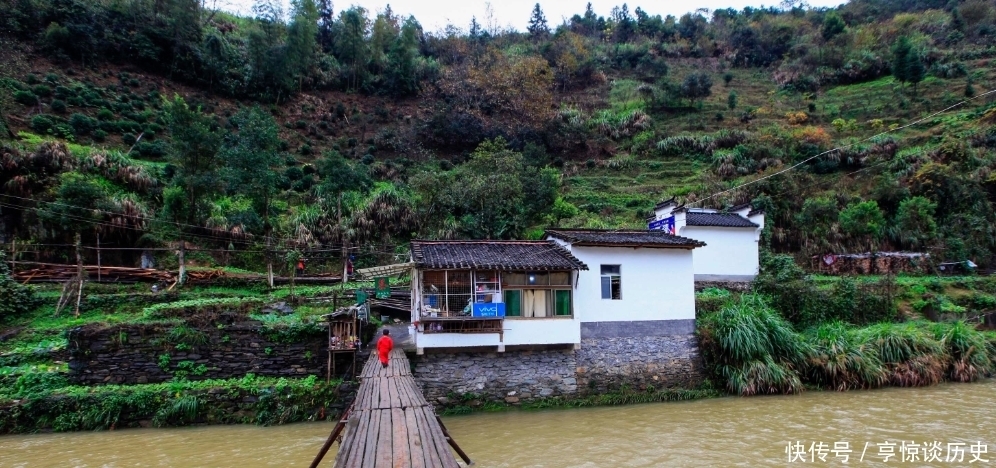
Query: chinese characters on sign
x=666 y=225
x=888 y=452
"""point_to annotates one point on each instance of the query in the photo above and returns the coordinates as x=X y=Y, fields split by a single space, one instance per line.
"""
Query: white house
x=639 y=282
x=576 y=284
x=731 y=236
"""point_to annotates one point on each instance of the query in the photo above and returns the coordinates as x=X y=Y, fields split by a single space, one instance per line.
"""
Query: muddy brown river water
x=959 y=418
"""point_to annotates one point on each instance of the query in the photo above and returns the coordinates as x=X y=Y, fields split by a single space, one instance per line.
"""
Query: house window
x=537 y=294
x=611 y=282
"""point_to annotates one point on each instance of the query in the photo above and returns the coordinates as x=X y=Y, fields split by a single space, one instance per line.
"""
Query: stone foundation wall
x=638 y=355
x=612 y=355
x=133 y=354
x=511 y=376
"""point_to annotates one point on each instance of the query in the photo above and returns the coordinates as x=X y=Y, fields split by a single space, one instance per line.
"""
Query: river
x=718 y=432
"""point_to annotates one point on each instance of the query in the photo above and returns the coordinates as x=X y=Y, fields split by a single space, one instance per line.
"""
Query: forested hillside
x=146 y=122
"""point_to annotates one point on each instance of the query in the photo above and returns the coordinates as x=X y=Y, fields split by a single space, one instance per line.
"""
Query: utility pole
x=183 y=262
x=98 y=257
x=269 y=262
x=79 y=275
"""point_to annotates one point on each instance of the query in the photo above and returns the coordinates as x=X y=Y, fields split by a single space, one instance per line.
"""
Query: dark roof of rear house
x=698 y=218
x=493 y=255
x=624 y=238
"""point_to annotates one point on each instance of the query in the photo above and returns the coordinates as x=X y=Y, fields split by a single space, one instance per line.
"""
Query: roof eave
x=640 y=245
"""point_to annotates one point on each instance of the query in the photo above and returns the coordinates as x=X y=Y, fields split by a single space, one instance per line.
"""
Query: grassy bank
x=751 y=349
x=46 y=402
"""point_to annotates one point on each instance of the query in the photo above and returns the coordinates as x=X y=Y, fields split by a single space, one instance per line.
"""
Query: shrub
x=294 y=173
x=105 y=114
x=42 y=123
x=82 y=124
x=752 y=349
x=99 y=135
x=42 y=90
x=26 y=97
x=15 y=298
x=58 y=105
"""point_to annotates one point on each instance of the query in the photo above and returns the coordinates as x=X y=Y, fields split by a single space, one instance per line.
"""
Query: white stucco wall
x=729 y=254
x=657 y=284
x=518 y=331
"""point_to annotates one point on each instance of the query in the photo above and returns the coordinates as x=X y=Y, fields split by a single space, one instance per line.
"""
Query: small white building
x=732 y=238
x=574 y=285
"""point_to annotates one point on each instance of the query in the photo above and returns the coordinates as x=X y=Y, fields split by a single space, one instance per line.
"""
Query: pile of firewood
x=48 y=272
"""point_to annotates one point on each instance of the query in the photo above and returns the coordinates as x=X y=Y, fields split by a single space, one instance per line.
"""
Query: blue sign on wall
x=666 y=225
x=489 y=309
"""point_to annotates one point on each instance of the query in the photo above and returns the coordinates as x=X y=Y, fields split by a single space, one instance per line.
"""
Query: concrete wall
x=730 y=254
x=657 y=284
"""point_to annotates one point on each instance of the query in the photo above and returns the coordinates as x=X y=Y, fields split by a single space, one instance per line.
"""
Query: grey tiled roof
x=512 y=255
x=623 y=238
x=698 y=218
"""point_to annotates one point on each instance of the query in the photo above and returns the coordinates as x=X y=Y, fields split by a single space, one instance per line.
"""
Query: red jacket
x=384 y=346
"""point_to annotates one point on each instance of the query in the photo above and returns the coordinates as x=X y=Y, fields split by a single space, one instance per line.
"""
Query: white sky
x=434 y=15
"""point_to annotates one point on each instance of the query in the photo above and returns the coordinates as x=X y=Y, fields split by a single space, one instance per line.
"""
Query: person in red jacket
x=384 y=346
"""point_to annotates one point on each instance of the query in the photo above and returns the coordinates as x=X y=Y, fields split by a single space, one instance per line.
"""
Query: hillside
x=326 y=130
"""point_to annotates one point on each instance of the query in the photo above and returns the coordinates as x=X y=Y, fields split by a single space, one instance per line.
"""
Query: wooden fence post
x=98 y=257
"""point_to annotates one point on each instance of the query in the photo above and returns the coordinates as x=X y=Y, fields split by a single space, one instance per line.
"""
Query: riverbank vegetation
x=750 y=350
x=48 y=402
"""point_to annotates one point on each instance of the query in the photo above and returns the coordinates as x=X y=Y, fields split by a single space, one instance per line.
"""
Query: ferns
x=181 y=411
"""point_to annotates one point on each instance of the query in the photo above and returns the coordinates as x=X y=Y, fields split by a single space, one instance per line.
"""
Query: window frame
x=549 y=289
x=610 y=275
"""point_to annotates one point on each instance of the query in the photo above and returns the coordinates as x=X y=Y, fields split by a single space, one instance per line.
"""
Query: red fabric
x=384 y=346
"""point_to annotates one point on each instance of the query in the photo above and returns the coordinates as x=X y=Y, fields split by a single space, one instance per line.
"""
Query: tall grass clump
x=841 y=360
x=971 y=354
x=910 y=354
x=752 y=349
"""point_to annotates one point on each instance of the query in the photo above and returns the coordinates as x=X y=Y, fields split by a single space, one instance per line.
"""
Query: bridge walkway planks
x=391 y=423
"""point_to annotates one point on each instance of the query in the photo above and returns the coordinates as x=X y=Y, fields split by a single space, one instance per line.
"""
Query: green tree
x=250 y=155
x=301 y=39
x=817 y=221
x=957 y=22
x=402 y=71
x=326 y=23
x=538 y=28
x=697 y=86
x=339 y=175
x=731 y=100
x=383 y=35
x=915 y=222
x=969 y=89
x=916 y=71
x=901 y=51
x=833 y=25
x=863 y=222
x=350 y=43
x=194 y=144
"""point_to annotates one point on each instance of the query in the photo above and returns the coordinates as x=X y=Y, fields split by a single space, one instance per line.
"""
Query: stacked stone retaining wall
x=612 y=355
x=136 y=354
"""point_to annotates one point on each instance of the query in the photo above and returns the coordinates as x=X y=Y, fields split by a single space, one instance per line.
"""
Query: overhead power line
x=839 y=148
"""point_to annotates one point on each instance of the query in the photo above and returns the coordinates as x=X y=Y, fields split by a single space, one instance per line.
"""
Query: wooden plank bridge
x=390 y=423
